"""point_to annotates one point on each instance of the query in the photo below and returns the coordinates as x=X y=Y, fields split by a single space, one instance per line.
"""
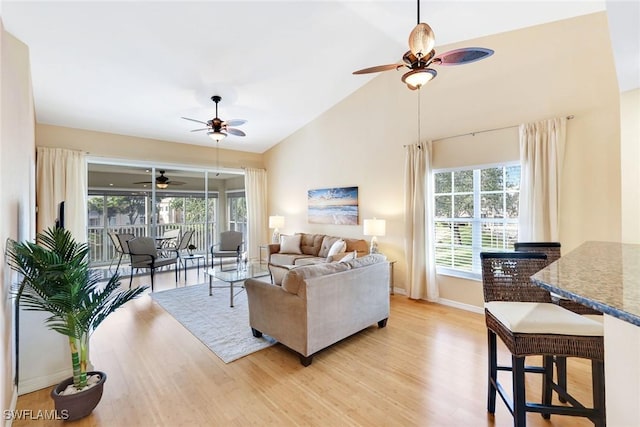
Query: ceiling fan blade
x=466 y=55
x=175 y=183
x=198 y=130
x=234 y=122
x=237 y=132
x=143 y=182
x=194 y=120
x=379 y=68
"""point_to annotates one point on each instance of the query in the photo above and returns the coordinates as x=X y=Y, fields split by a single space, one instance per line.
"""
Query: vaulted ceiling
x=137 y=67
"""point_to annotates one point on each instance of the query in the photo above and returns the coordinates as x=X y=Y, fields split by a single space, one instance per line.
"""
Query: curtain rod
x=485 y=130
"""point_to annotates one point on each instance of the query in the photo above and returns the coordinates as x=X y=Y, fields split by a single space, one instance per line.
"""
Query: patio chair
x=144 y=254
x=183 y=243
x=230 y=245
x=119 y=241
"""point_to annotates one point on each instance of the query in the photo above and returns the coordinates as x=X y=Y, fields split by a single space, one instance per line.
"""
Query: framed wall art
x=338 y=205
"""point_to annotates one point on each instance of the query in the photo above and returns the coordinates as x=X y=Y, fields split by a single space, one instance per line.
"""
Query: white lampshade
x=217 y=135
x=375 y=227
x=276 y=221
x=415 y=79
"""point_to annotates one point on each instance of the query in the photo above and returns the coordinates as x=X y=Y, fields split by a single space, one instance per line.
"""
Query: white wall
x=360 y=141
x=17 y=187
x=630 y=163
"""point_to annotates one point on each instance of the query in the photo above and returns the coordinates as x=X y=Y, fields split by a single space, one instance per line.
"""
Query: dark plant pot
x=79 y=405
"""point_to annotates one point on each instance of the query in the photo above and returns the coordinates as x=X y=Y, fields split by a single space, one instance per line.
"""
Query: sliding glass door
x=159 y=201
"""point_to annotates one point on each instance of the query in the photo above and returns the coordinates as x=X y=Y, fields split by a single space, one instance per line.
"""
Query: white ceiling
x=135 y=68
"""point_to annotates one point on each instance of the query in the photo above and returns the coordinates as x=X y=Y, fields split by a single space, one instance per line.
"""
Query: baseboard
x=45 y=381
x=399 y=291
x=461 y=306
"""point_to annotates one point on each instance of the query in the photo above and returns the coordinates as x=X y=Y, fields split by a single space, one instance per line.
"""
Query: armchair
x=230 y=245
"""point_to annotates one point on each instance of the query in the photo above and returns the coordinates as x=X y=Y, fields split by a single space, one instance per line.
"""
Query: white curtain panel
x=542 y=146
x=256 y=194
x=61 y=176
x=419 y=227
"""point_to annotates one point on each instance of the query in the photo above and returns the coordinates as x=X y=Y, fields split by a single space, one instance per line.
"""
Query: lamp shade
x=217 y=135
x=375 y=227
x=276 y=221
x=418 y=77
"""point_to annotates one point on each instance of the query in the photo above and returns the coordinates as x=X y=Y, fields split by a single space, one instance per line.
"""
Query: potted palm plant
x=55 y=278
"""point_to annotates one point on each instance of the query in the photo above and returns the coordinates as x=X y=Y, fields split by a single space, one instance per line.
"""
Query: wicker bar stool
x=524 y=317
x=552 y=250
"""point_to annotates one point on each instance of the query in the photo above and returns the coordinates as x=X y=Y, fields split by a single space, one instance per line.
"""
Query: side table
x=263 y=247
x=194 y=257
x=391 y=264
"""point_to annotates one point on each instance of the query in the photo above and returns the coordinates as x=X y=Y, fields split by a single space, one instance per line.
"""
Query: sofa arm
x=277 y=313
x=272 y=248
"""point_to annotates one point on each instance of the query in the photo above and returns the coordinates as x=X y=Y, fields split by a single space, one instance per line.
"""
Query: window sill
x=443 y=271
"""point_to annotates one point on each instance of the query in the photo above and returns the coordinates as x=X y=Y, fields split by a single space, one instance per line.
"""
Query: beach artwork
x=333 y=206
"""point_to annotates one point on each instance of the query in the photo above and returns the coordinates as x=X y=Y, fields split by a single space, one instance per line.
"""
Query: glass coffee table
x=231 y=277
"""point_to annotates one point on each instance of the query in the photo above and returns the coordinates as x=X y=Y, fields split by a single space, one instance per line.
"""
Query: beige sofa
x=312 y=249
x=319 y=305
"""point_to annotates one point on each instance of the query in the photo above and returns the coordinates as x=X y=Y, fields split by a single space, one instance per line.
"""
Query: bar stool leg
x=519 y=398
x=561 y=367
x=547 y=391
x=493 y=372
x=597 y=381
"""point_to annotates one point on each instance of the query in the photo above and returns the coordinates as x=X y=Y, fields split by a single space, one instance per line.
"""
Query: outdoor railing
x=102 y=251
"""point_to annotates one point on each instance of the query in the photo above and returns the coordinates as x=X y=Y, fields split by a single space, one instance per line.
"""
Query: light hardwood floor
x=426 y=368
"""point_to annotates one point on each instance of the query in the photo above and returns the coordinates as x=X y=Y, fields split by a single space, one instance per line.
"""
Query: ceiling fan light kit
x=421 y=55
x=415 y=79
x=218 y=129
x=217 y=136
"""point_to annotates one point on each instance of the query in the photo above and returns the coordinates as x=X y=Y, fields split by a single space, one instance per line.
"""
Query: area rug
x=225 y=330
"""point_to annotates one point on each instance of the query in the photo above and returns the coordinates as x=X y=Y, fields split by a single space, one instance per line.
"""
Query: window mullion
x=476 y=241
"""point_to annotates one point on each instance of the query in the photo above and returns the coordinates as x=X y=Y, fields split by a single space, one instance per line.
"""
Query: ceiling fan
x=421 y=55
x=218 y=129
x=162 y=181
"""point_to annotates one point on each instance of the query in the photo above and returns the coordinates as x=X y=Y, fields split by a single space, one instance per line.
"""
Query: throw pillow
x=290 y=244
x=348 y=257
x=337 y=247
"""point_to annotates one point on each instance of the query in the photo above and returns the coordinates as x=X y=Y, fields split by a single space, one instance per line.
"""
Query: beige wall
x=17 y=185
x=630 y=163
x=113 y=146
x=360 y=141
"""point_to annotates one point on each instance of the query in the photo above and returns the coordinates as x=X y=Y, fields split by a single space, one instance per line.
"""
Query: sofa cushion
x=359 y=245
x=366 y=260
x=290 y=244
x=287 y=259
x=309 y=260
x=294 y=278
x=349 y=256
x=310 y=243
x=327 y=242
x=337 y=247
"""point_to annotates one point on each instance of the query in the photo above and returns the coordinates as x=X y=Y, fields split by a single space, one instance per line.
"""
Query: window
x=237 y=211
x=475 y=210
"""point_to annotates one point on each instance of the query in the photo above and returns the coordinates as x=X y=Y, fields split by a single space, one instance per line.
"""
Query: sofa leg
x=306 y=360
x=382 y=323
x=256 y=333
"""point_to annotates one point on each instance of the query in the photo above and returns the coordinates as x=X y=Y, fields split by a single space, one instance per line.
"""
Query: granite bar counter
x=606 y=276
x=601 y=275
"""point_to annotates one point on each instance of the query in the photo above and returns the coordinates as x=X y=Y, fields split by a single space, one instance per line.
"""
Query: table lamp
x=374 y=227
x=276 y=222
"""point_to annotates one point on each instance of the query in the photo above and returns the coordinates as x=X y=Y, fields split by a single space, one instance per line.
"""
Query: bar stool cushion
x=542 y=318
